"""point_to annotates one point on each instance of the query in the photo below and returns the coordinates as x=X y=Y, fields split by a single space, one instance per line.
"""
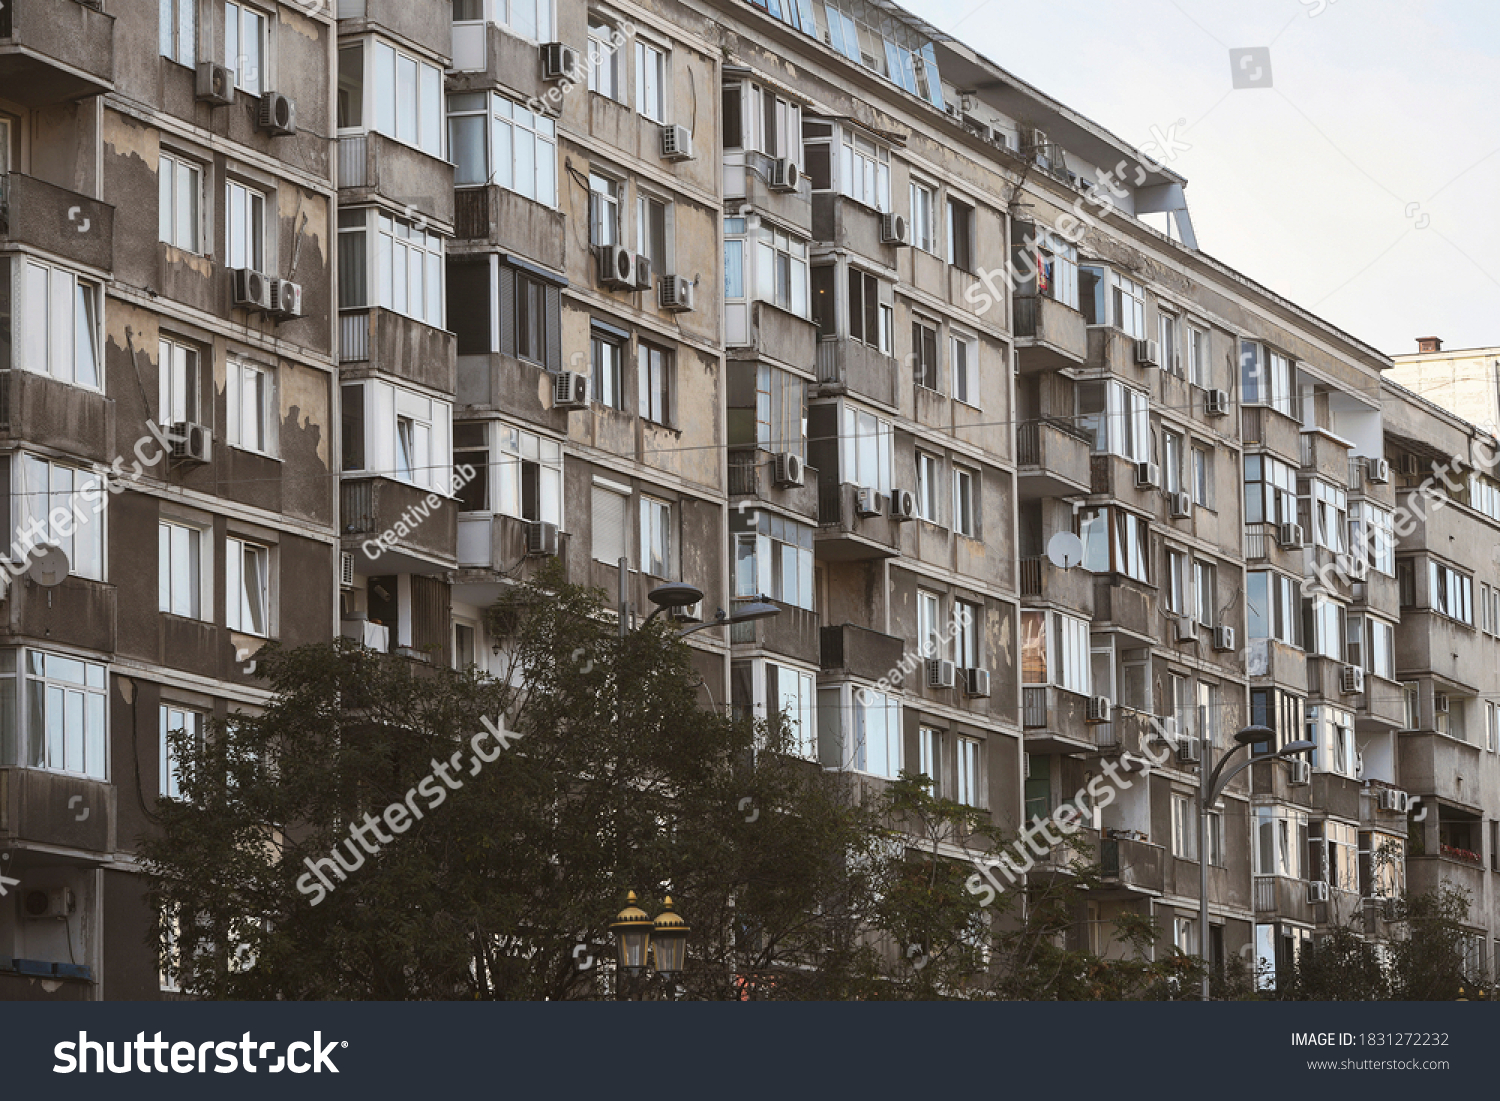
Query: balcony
x=419 y=24
x=1045 y=583
x=1049 y=335
x=1272 y=660
x=394 y=344
x=860 y=652
x=1435 y=765
x=78 y=612
x=842 y=223
x=1261 y=427
x=370 y=507
x=1130 y=866
x=1054 y=460
x=486 y=56
x=43 y=807
x=374 y=166
x=792 y=634
x=746 y=180
x=1053 y=720
x=54 y=51
x=1446 y=869
x=499 y=218
x=844 y=535
x=1112 y=476
x=750 y=477
x=1113 y=350
x=767 y=332
x=1262 y=545
x=848 y=366
x=1125 y=604
x=1325 y=456
x=63 y=223
x=1282 y=896
x=48 y=412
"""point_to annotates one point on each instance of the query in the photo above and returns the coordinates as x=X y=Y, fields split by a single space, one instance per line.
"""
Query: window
x=176 y=720
x=924 y=353
x=650 y=81
x=1372 y=645
x=1207 y=725
x=771 y=124
x=1372 y=536
x=1185 y=934
x=1329 y=510
x=1325 y=631
x=651 y=231
x=1202 y=476
x=965 y=483
x=1130 y=306
x=866 y=446
x=253 y=408
x=63 y=505
x=530 y=19
x=966 y=758
x=1200 y=370
x=535 y=319
x=877 y=733
x=62 y=725
x=1450 y=593
x=1334 y=849
x=1176 y=582
x=495 y=140
x=603 y=63
x=780 y=410
x=1271 y=599
x=1166 y=338
x=1203 y=592
x=244 y=227
x=604 y=210
x=607 y=520
x=1332 y=730
x=781 y=270
x=1270 y=491
x=245 y=46
x=1172 y=461
x=1037 y=790
x=471 y=447
x=774 y=558
x=929 y=634
x=1115 y=541
x=180 y=569
x=1050 y=263
x=930 y=747
x=408 y=438
x=1216 y=838
x=966 y=637
x=409 y=270
x=963 y=364
x=790 y=700
x=408 y=98
x=1093 y=298
x=181 y=185
x=865 y=171
x=1265 y=377
x=179 y=30
x=871 y=321
x=927 y=486
x=179 y=390
x=464 y=635
x=923 y=216
x=608 y=366
x=1116 y=418
x=657 y=558
x=1280 y=841
x=1184 y=827
x=247 y=587
x=654 y=368
x=60 y=316
x=1063 y=653
x=961 y=235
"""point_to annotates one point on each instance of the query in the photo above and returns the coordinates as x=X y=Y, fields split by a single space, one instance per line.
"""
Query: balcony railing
x=354 y=336
x=1031 y=575
x=1265 y=894
x=1034 y=708
x=828 y=359
x=1029 y=438
x=353 y=157
x=357 y=507
x=744 y=474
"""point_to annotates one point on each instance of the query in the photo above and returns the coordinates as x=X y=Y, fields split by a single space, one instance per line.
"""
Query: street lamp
x=639 y=939
x=1211 y=786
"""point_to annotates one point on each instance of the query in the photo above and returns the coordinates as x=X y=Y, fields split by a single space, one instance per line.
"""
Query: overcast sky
x=1362 y=183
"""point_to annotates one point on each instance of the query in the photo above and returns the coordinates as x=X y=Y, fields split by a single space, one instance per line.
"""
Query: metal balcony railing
x=1034 y=708
x=1031 y=575
x=353 y=160
x=354 y=336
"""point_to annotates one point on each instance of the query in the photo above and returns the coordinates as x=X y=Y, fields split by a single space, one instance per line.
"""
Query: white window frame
x=508 y=129
x=606 y=197
x=242 y=607
x=963 y=367
x=245 y=237
x=655 y=368
x=43 y=492
x=602 y=60
x=246 y=432
x=652 y=95
x=929 y=615
x=968 y=760
x=240 y=18
x=878 y=714
x=966 y=501
x=174 y=717
x=1129 y=304
x=864 y=170
x=76 y=687
x=928 y=466
x=184 y=569
x=1200 y=368
x=521 y=454
x=180 y=393
x=658 y=545
x=866 y=448
x=607 y=368
x=178 y=25
x=180 y=185
x=1184 y=826
x=420 y=255
x=408 y=109
x=47 y=342
x=924 y=205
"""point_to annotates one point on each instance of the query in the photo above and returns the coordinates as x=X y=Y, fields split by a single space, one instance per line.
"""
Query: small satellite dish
x=1065 y=550
x=48 y=566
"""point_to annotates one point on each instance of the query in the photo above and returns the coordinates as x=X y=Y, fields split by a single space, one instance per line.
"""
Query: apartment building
x=1464 y=381
x=810 y=301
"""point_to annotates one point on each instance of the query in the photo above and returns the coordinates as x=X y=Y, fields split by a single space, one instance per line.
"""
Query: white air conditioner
x=1186 y=628
x=1097 y=710
x=1377 y=471
x=643 y=273
x=785 y=176
x=903 y=505
x=278 y=114
x=866 y=502
x=541 y=539
x=1289 y=536
x=1181 y=506
x=215 y=83
x=894 y=230
x=677 y=294
x=191 y=443
x=1317 y=891
x=676 y=143
x=977 y=683
x=558 y=61
x=1224 y=638
x=1440 y=703
x=941 y=673
x=346 y=569
x=1216 y=403
x=1403 y=801
x=570 y=390
x=57 y=902
x=1147 y=353
x=1390 y=799
x=617 y=267
x=1359 y=569
x=1299 y=773
x=250 y=289
x=1147 y=475
x=1189 y=752
x=954 y=110
x=787 y=470
x=1351 y=680
x=286 y=299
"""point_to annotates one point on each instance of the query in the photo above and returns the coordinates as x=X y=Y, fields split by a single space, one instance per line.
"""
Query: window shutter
x=608 y=519
x=554 y=328
x=507 y=310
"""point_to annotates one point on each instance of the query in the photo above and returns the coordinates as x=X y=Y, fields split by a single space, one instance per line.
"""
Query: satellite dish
x=1065 y=550
x=48 y=566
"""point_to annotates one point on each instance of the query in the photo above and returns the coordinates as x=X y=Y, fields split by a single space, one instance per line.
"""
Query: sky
x=1356 y=175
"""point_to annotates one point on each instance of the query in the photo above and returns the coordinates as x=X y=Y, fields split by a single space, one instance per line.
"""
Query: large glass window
x=1272 y=602
x=780 y=410
x=781 y=270
x=1450 y=593
x=877 y=733
x=1332 y=729
x=867 y=446
x=408 y=95
x=65 y=506
x=409 y=269
x=180 y=569
x=1130 y=306
x=244 y=227
x=60 y=320
x=776 y=559
x=1116 y=418
x=181 y=188
x=871 y=321
x=1059 y=655
x=1329 y=514
x=247 y=587
x=1280 y=841
x=245 y=46
x=1116 y=541
x=1270 y=491
x=495 y=140
x=1266 y=378
x=865 y=171
x=62 y=723
x=252 y=405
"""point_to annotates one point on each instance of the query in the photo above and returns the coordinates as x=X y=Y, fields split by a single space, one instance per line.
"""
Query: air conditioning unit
x=346 y=569
x=941 y=673
x=977 y=683
x=58 y=902
x=1164 y=732
x=787 y=470
x=677 y=293
x=1216 y=403
x=570 y=391
x=954 y=110
x=894 y=230
x=1182 y=506
x=278 y=114
x=191 y=443
x=1289 y=536
x=1300 y=773
x=1377 y=471
x=1097 y=710
x=1407 y=465
x=1147 y=353
x=1392 y=800
x=785 y=176
x=1359 y=569
x=866 y=502
x=558 y=61
x=251 y=290
x=1186 y=629
x=1317 y=891
x=1224 y=638
x=1440 y=703
x=617 y=267
x=1189 y=752
x=1351 y=680
x=286 y=299
x=643 y=279
x=215 y=84
x=903 y=505
x=676 y=143
x=541 y=539
x=1147 y=475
